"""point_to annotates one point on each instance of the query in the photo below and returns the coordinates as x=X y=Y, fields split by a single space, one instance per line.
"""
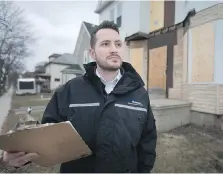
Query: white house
x=81 y=51
x=56 y=69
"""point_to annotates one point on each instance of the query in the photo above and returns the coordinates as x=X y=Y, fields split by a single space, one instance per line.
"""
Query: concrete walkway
x=5 y=105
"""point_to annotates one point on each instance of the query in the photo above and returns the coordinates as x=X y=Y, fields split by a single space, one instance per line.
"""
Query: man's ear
x=92 y=53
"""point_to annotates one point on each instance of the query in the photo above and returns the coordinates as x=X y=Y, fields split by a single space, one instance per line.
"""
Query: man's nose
x=113 y=48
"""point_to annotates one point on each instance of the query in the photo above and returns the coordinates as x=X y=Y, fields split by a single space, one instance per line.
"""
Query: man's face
x=108 y=50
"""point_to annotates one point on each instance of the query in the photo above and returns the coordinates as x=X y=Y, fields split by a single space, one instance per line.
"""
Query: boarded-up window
x=203 y=53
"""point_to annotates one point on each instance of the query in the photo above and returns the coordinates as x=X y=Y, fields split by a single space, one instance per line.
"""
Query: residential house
x=81 y=51
x=42 y=79
x=54 y=68
x=184 y=59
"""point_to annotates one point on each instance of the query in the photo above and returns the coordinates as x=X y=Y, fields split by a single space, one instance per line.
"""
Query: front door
x=157 y=67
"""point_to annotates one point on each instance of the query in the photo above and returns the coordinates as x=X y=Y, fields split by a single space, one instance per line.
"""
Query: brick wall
x=176 y=91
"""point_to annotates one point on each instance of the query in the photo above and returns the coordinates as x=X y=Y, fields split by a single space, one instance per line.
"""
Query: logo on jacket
x=135 y=103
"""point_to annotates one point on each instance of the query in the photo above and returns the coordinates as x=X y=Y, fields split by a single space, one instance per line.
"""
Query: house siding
x=220 y=99
x=144 y=16
x=83 y=44
x=183 y=7
x=205 y=98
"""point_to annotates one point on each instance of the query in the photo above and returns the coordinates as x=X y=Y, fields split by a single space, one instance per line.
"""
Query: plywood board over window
x=156 y=15
x=157 y=67
x=136 y=59
x=203 y=53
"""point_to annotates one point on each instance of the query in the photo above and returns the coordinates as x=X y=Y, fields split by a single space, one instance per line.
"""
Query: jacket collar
x=130 y=78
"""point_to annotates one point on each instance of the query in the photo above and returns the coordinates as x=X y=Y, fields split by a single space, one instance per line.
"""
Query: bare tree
x=15 y=36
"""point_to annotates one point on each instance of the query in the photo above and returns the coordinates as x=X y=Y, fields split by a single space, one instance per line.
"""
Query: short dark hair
x=104 y=25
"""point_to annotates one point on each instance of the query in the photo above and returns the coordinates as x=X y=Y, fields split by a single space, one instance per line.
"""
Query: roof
x=75 y=68
x=90 y=27
x=55 y=55
x=65 y=59
x=143 y=36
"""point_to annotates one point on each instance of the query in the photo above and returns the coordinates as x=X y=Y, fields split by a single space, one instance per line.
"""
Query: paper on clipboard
x=54 y=143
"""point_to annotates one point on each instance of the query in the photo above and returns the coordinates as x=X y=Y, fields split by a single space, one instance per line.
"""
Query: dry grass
x=190 y=149
x=25 y=101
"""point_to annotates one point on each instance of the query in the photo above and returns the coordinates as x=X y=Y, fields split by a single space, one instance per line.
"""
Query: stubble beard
x=104 y=66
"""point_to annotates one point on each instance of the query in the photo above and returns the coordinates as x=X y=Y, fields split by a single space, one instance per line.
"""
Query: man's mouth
x=114 y=57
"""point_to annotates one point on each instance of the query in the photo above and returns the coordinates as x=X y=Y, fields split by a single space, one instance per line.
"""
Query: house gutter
x=143 y=36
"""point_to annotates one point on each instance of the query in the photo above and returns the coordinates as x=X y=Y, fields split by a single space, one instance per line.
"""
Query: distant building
x=57 y=70
x=81 y=51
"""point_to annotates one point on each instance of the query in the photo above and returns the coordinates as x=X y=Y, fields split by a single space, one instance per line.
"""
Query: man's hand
x=18 y=159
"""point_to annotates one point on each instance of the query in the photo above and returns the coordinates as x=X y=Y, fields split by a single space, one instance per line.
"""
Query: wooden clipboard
x=55 y=143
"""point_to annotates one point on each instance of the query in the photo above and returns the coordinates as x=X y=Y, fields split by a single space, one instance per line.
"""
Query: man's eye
x=105 y=44
x=119 y=44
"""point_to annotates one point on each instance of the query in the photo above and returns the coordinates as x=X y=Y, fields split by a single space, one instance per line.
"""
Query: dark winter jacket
x=119 y=128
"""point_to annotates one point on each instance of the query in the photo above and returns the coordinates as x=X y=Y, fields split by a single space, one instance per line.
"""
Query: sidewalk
x=5 y=104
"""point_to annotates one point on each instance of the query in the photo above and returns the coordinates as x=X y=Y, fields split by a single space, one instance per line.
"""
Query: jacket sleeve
x=147 y=144
x=57 y=108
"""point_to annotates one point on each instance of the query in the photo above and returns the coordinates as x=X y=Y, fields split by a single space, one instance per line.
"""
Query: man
x=110 y=109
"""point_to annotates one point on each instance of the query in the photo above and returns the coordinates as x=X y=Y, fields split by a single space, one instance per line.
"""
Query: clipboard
x=55 y=143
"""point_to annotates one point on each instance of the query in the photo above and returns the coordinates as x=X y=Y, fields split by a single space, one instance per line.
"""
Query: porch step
x=170 y=114
x=156 y=93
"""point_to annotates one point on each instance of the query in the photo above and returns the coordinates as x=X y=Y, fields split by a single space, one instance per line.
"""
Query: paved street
x=5 y=104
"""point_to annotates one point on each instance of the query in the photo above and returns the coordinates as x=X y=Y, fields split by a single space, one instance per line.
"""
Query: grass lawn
x=25 y=101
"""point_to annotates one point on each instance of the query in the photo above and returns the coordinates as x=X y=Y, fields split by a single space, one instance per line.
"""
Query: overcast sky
x=56 y=24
